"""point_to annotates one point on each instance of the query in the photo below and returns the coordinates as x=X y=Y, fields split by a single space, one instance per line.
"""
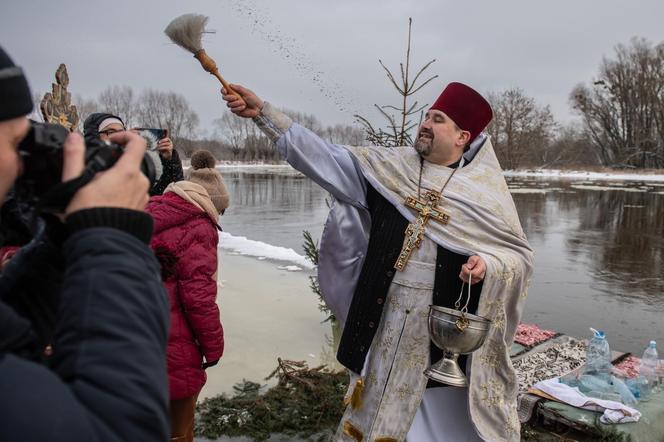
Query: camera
x=40 y=185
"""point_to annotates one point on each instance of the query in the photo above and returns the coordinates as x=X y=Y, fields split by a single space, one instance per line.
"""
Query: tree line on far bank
x=620 y=125
x=232 y=139
x=621 y=117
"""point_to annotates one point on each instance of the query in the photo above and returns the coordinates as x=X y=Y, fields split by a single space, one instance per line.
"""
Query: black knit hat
x=91 y=124
x=15 y=96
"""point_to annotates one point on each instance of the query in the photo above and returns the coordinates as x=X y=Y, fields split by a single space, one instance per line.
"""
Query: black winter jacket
x=172 y=173
x=107 y=380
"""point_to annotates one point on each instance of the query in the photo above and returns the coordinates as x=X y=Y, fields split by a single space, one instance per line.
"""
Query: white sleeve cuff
x=272 y=122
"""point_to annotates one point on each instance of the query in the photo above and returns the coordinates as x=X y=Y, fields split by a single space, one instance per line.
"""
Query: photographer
x=107 y=377
x=103 y=125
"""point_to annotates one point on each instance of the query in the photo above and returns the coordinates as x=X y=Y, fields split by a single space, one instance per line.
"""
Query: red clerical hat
x=466 y=107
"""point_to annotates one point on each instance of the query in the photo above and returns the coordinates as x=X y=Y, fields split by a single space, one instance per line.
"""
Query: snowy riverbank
x=553 y=174
x=613 y=175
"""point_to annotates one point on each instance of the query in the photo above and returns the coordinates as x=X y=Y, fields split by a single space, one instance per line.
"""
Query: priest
x=410 y=226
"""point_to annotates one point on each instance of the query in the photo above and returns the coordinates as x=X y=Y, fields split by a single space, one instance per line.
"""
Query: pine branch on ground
x=305 y=402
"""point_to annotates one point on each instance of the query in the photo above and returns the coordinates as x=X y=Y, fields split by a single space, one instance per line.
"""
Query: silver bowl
x=455 y=332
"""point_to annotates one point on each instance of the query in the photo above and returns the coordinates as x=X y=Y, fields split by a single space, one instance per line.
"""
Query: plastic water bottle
x=598 y=356
x=648 y=371
x=626 y=396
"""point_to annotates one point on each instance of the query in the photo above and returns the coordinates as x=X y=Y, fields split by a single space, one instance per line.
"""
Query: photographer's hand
x=165 y=148
x=123 y=185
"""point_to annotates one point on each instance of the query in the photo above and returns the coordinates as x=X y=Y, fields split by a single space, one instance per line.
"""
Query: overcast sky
x=321 y=57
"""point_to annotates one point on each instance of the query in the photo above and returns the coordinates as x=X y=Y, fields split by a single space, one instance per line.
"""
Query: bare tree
x=120 y=101
x=219 y=149
x=85 y=106
x=167 y=110
x=344 y=134
x=338 y=134
x=399 y=124
x=569 y=147
x=246 y=141
x=623 y=110
x=307 y=120
x=234 y=131
x=521 y=130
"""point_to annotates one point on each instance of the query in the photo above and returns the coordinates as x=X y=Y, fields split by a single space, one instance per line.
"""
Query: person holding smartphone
x=103 y=125
x=171 y=163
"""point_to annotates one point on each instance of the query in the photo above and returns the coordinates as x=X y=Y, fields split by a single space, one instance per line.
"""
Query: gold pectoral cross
x=415 y=231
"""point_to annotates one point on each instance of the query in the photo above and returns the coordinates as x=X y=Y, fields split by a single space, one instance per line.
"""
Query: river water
x=599 y=248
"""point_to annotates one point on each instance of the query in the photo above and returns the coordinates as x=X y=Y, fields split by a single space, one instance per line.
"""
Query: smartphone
x=156 y=133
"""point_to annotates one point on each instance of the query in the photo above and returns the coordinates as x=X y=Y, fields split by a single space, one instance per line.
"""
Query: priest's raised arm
x=330 y=165
x=346 y=235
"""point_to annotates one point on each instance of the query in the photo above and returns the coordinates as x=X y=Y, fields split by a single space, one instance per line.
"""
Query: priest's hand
x=251 y=106
x=477 y=266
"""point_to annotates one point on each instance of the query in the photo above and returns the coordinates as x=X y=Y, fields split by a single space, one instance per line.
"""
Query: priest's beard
x=424 y=143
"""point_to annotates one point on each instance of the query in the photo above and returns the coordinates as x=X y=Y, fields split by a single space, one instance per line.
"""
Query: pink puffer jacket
x=185 y=242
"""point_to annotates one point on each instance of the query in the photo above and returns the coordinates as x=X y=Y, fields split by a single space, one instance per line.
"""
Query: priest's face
x=439 y=139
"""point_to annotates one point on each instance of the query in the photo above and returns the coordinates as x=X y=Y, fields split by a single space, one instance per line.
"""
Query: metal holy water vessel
x=455 y=332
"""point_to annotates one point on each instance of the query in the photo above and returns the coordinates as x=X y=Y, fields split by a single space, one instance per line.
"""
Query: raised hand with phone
x=159 y=140
x=104 y=125
x=163 y=145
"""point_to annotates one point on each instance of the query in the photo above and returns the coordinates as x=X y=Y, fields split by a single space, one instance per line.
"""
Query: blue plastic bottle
x=598 y=356
x=648 y=371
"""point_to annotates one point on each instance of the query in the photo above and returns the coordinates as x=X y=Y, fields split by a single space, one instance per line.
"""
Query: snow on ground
x=290 y=268
x=520 y=173
x=623 y=189
x=257 y=167
x=584 y=175
x=525 y=190
x=248 y=166
x=244 y=246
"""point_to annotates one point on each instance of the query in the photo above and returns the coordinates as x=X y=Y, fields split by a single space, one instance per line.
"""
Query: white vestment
x=443 y=416
x=393 y=371
x=484 y=222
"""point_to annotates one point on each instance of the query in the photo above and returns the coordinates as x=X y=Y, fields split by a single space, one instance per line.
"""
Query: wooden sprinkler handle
x=210 y=66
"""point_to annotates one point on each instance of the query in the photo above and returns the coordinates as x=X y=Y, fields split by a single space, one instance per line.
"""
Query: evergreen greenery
x=305 y=402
